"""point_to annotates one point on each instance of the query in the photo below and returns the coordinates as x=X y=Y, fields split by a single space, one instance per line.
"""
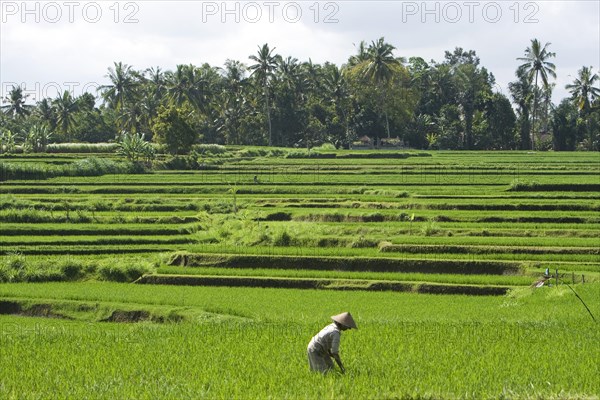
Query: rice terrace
x=250 y=200
x=208 y=283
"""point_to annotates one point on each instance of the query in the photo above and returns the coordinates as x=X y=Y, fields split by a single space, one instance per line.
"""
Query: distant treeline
x=281 y=101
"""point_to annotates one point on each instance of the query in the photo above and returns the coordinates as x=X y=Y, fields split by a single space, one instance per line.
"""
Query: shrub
x=517 y=185
x=122 y=273
x=277 y=216
x=71 y=270
x=112 y=273
x=219 y=207
x=283 y=238
x=325 y=147
x=374 y=217
x=430 y=228
x=135 y=148
x=189 y=162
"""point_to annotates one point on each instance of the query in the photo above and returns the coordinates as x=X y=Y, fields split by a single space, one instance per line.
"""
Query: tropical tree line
x=281 y=101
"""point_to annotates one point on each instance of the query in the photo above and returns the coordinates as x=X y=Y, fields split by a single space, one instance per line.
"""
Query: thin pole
x=582 y=302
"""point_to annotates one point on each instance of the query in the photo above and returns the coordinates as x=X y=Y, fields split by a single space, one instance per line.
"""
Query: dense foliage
x=281 y=101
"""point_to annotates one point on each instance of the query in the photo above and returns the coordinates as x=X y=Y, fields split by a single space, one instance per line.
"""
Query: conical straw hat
x=345 y=319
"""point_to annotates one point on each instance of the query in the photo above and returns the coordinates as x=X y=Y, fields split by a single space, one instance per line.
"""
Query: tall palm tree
x=536 y=65
x=585 y=94
x=266 y=63
x=66 y=107
x=335 y=86
x=121 y=89
x=522 y=92
x=379 y=68
x=471 y=84
x=153 y=94
x=583 y=90
x=232 y=106
x=16 y=103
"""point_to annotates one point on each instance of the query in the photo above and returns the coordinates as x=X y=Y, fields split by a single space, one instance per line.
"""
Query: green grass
x=336 y=207
x=538 y=344
x=87 y=221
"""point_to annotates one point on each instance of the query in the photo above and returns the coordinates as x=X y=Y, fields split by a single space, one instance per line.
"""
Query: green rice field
x=209 y=283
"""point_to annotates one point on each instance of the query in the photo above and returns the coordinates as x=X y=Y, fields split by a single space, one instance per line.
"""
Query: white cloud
x=179 y=32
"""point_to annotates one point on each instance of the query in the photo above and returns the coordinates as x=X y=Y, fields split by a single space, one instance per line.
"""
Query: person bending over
x=325 y=345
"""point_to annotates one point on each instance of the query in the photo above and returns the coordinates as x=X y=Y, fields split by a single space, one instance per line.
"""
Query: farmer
x=326 y=344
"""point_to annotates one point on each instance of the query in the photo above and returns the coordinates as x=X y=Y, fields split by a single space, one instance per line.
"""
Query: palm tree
x=583 y=90
x=153 y=95
x=312 y=73
x=289 y=71
x=155 y=80
x=266 y=63
x=189 y=83
x=521 y=92
x=234 y=74
x=471 y=84
x=66 y=107
x=360 y=56
x=585 y=93
x=16 y=103
x=130 y=119
x=179 y=84
x=536 y=65
x=335 y=86
x=379 y=68
x=232 y=107
x=122 y=86
x=45 y=111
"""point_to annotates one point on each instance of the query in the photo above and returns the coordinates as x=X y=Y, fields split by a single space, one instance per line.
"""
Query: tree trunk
x=383 y=110
x=535 y=102
x=387 y=124
x=268 y=115
x=525 y=130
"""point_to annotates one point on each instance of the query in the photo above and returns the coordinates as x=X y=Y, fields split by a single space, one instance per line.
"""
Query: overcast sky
x=45 y=46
